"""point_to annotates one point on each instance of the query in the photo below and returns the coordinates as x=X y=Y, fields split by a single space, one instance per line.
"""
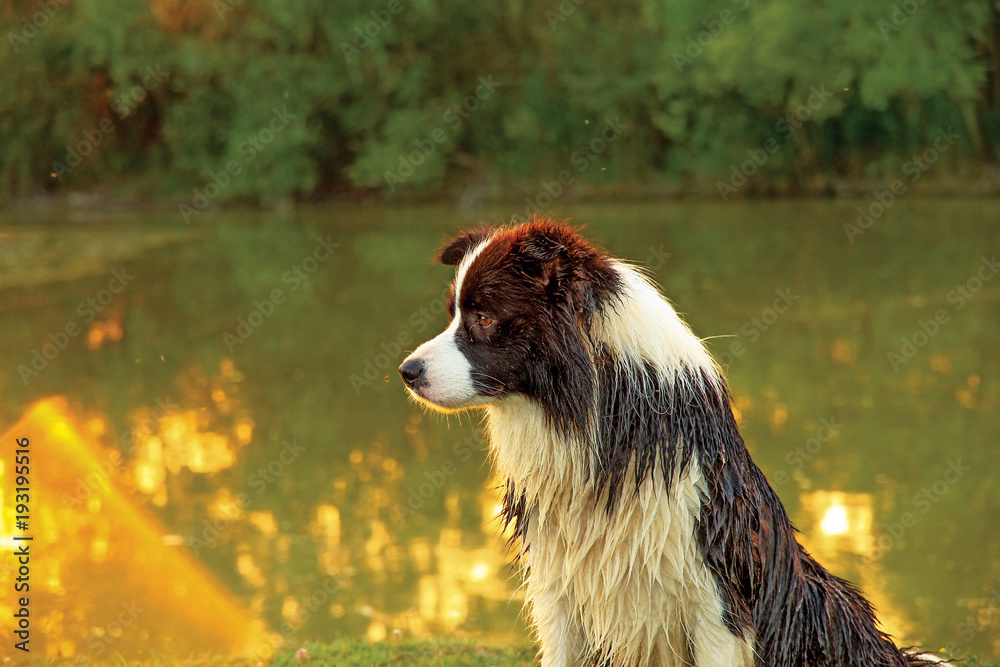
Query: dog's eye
x=485 y=321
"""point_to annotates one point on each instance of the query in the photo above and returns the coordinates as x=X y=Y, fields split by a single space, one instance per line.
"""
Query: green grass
x=337 y=653
x=446 y=654
x=357 y=653
x=436 y=653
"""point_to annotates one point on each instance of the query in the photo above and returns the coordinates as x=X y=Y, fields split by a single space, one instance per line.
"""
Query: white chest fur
x=630 y=585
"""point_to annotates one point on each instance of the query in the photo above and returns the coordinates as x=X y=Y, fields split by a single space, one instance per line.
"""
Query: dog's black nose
x=412 y=371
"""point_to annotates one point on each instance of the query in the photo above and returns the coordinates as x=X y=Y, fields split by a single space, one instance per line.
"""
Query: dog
x=646 y=533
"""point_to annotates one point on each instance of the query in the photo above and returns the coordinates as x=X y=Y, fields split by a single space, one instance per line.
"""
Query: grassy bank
x=338 y=653
x=357 y=653
x=443 y=653
x=343 y=654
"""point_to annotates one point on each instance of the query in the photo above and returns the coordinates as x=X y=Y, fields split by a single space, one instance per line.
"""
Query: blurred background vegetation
x=157 y=97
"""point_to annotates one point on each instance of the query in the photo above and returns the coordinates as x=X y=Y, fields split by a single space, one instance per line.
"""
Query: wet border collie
x=647 y=534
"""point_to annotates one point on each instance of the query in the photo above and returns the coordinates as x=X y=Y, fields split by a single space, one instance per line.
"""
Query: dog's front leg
x=559 y=632
x=560 y=635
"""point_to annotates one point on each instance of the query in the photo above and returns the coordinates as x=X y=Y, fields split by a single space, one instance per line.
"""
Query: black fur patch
x=514 y=513
x=454 y=250
x=800 y=613
x=633 y=424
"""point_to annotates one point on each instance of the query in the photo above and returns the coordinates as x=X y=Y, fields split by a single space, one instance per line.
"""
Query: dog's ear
x=550 y=247
x=546 y=242
x=570 y=269
x=454 y=250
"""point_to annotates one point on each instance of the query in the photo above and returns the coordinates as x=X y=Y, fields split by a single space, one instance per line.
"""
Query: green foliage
x=363 y=87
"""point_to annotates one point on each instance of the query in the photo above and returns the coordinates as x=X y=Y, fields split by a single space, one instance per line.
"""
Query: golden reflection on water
x=839 y=530
x=174 y=439
x=102 y=579
x=453 y=579
x=841 y=523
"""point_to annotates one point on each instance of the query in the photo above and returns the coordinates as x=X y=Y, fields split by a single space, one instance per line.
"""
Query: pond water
x=223 y=429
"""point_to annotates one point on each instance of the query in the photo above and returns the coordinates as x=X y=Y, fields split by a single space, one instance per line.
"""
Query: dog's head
x=520 y=308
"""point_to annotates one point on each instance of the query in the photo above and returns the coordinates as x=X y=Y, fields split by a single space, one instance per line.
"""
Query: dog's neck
x=528 y=453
